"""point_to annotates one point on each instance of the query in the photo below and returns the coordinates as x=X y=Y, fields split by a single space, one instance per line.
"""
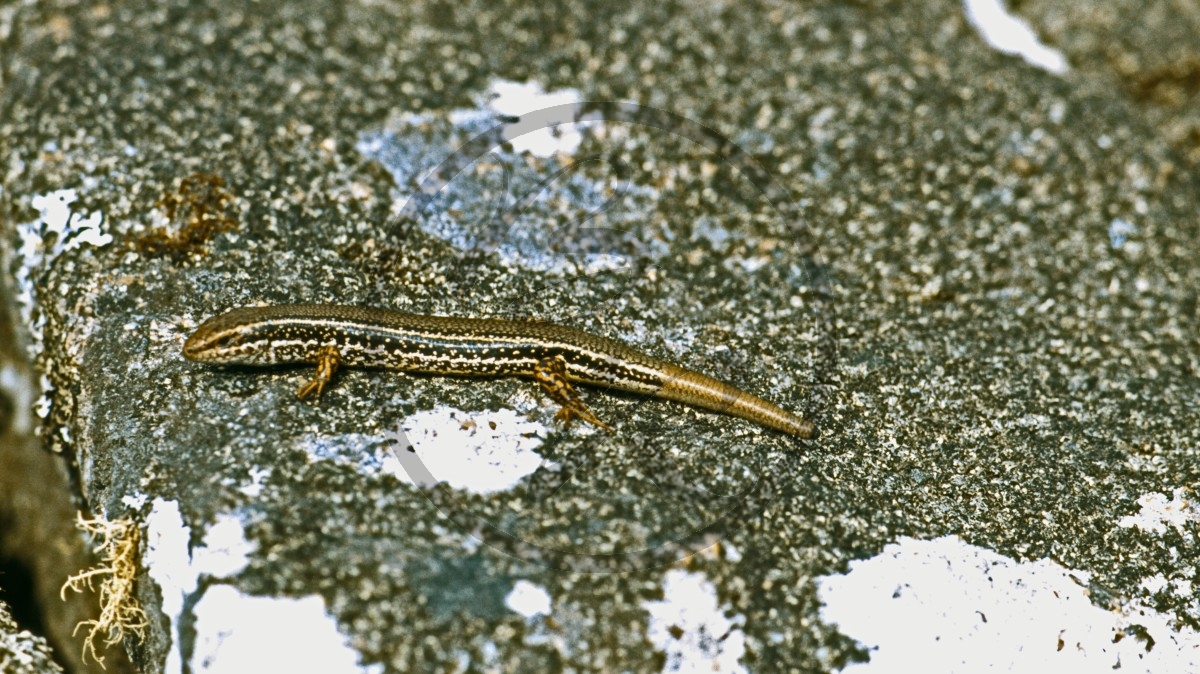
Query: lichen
x=200 y=209
x=120 y=613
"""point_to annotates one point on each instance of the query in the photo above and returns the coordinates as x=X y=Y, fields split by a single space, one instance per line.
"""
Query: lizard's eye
x=227 y=340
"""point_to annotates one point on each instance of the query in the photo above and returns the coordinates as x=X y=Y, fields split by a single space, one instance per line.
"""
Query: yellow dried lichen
x=120 y=614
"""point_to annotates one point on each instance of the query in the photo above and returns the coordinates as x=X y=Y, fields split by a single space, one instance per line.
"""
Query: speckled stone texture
x=982 y=285
x=22 y=652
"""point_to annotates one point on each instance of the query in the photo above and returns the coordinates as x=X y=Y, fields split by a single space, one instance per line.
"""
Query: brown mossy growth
x=120 y=614
x=1171 y=84
x=199 y=209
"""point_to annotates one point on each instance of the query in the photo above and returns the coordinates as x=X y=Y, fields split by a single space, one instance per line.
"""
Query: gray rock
x=22 y=652
x=976 y=277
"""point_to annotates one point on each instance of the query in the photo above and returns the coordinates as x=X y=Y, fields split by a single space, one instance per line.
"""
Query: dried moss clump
x=200 y=209
x=120 y=614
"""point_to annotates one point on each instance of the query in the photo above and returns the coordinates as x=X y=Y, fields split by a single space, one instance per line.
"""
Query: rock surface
x=978 y=278
x=22 y=652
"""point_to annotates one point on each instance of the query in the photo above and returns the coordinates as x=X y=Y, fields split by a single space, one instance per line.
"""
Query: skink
x=330 y=336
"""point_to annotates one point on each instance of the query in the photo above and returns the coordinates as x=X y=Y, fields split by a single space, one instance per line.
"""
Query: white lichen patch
x=481 y=453
x=177 y=568
x=1159 y=512
x=237 y=632
x=1011 y=34
x=690 y=627
x=57 y=230
x=528 y=599
x=945 y=606
x=547 y=124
